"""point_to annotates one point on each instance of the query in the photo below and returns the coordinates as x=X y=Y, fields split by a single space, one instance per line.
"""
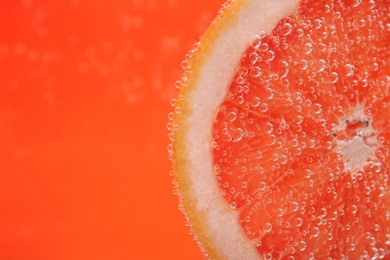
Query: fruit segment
x=301 y=144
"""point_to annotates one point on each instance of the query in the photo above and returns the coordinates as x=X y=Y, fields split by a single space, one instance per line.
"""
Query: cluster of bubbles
x=276 y=135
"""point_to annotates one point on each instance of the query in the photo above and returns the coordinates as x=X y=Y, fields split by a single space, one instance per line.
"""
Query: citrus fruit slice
x=281 y=131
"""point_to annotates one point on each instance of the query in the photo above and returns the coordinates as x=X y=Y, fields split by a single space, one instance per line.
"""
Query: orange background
x=85 y=87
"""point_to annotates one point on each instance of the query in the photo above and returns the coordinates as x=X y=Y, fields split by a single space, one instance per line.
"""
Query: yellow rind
x=180 y=153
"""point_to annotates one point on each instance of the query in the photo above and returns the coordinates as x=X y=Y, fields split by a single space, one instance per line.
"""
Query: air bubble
x=287 y=29
x=354 y=209
x=361 y=23
x=308 y=48
x=232 y=116
x=317 y=24
x=270 y=93
x=298 y=222
x=283 y=159
x=240 y=100
x=233 y=205
x=286 y=69
x=323 y=65
x=263 y=107
x=268 y=127
x=350 y=69
x=334 y=77
x=317 y=108
x=238 y=134
x=304 y=64
x=264 y=47
x=301 y=246
x=316 y=232
x=254 y=57
x=294 y=206
x=256 y=72
x=308 y=174
x=170 y=149
x=256 y=41
x=300 y=32
x=267 y=227
x=269 y=56
x=255 y=102
x=357 y=3
x=262 y=186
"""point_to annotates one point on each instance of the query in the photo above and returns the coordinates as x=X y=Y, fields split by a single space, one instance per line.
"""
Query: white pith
x=210 y=90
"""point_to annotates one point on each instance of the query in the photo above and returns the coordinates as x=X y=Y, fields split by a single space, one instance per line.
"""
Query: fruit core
x=356 y=140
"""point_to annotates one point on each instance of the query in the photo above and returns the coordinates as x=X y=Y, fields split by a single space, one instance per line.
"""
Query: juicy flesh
x=308 y=100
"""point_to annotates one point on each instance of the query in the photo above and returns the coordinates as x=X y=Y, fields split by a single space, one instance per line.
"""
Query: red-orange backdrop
x=84 y=96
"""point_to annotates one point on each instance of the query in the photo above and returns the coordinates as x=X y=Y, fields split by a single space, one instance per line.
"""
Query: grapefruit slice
x=281 y=131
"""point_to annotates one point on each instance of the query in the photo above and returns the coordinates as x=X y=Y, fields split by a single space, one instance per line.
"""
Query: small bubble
x=232 y=116
x=334 y=77
x=287 y=29
x=323 y=65
x=170 y=149
x=308 y=173
x=323 y=212
x=177 y=84
x=316 y=232
x=268 y=127
x=238 y=134
x=255 y=102
x=308 y=48
x=317 y=108
x=280 y=212
x=300 y=33
x=240 y=100
x=263 y=107
x=256 y=41
x=350 y=69
x=357 y=3
x=294 y=206
x=262 y=186
x=264 y=47
x=269 y=56
x=283 y=159
x=256 y=72
x=304 y=64
x=298 y=222
x=354 y=209
x=317 y=24
x=285 y=68
x=270 y=93
x=233 y=205
x=301 y=246
x=267 y=227
x=254 y=57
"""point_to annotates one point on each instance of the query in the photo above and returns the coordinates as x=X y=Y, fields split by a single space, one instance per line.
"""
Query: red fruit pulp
x=302 y=141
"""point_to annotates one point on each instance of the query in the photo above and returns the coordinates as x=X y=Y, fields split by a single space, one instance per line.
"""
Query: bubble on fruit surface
x=307 y=150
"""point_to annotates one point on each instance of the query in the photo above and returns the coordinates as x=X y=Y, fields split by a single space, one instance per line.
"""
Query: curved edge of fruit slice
x=209 y=73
